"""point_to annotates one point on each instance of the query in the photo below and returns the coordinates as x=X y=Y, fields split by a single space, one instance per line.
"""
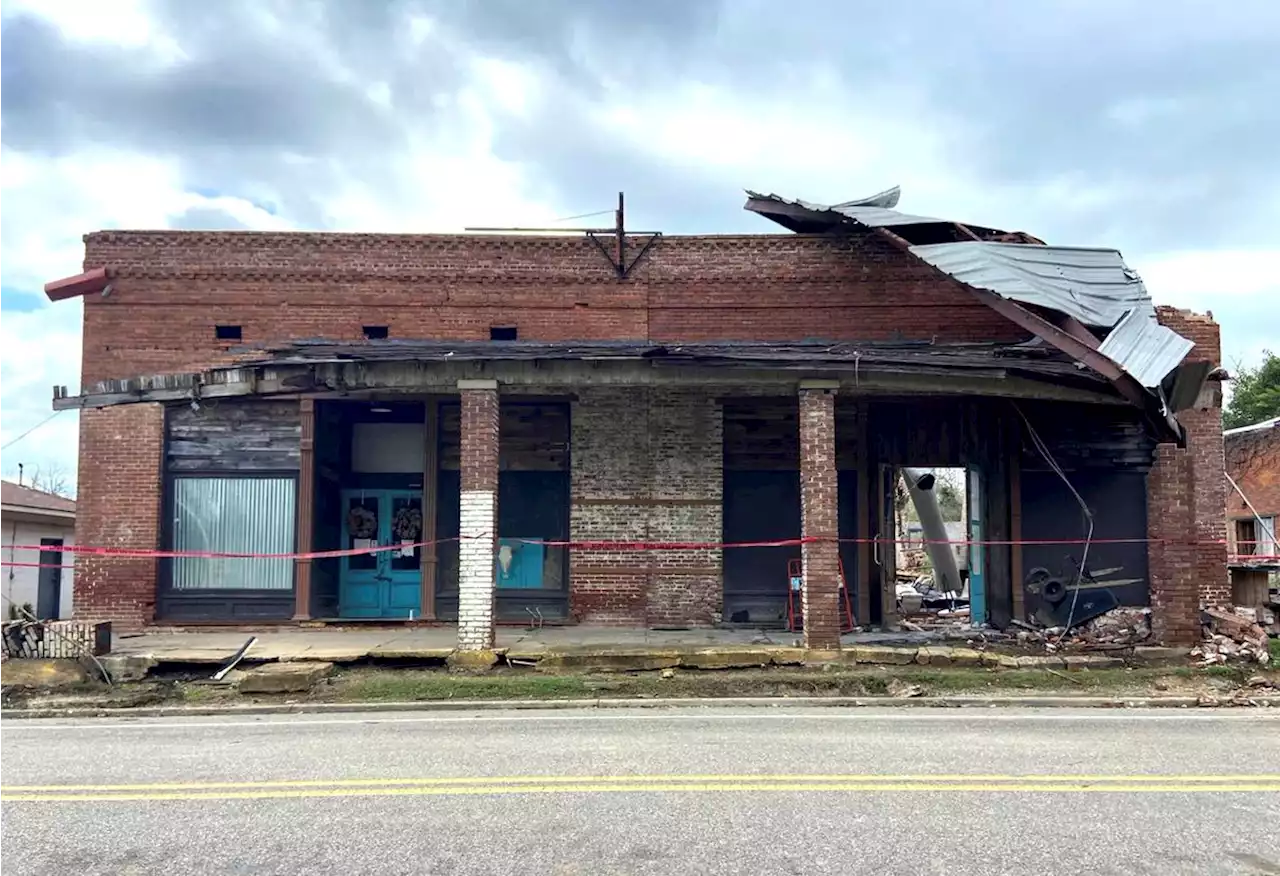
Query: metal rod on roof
x=543 y=230
x=610 y=231
x=621 y=232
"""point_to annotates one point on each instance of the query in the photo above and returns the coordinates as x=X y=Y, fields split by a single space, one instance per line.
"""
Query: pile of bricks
x=1232 y=635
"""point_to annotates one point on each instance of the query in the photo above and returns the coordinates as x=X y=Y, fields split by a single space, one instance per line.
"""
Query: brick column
x=1171 y=553
x=1185 y=492
x=121 y=485
x=819 y=515
x=479 y=509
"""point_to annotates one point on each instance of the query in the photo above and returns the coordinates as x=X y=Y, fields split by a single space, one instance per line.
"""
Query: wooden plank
x=430 y=504
x=999 y=565
x=306 y=508
x=886 y=549
x=1015 y=520
x=235 y=435
x=865 y=480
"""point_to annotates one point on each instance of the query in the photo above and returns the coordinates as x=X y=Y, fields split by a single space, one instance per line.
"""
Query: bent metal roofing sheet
x=1092 y=285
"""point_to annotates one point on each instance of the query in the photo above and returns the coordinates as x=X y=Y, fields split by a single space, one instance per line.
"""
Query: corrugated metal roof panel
x=1142 y=346
x=1273 y=423
x=873 y=212
x=1093 y=285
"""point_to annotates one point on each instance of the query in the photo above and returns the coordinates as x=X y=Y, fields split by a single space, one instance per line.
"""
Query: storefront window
x=233 y=515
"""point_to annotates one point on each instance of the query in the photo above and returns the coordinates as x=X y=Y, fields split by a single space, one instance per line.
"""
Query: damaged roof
x=1093 y=286
x=909 y=355
x=874 y=212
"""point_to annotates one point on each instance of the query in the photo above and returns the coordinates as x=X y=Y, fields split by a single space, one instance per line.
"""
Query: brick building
x=1253 y=462
x=504 y=427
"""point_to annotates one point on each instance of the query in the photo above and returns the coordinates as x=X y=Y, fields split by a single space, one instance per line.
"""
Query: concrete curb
x=946 y=702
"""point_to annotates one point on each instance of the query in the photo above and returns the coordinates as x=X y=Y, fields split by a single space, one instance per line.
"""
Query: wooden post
x=430 y=491
x=863 y=482
x=306 y=500
x=1015 y=519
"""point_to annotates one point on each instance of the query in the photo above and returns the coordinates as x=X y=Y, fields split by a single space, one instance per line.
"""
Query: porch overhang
x=329 y=369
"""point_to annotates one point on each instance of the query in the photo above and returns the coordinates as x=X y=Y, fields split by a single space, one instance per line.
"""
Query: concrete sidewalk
x=576 y=647
x=430 y=643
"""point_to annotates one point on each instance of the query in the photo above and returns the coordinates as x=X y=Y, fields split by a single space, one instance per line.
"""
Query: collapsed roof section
x=1090 y=291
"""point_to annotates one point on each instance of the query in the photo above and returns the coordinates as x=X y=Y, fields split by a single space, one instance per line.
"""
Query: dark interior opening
x=227 y=332
x=503 y=333
x=761 y=503
x=375 y=332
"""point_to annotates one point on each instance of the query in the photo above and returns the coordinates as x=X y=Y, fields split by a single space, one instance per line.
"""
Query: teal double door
x=386 y=583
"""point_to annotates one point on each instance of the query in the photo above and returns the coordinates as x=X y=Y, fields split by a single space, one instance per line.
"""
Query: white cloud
x=810 y=133
x=40 y=348
x=448 y=178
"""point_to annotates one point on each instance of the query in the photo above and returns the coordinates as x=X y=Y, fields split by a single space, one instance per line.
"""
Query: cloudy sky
x=1150 y=127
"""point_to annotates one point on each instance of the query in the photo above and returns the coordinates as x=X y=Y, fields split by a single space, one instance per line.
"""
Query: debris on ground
x=1119 y=628
x=903 y=689
x=1231 y=634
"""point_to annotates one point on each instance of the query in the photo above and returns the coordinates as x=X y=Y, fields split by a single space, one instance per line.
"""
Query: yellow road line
x=1262 y=778
x=633 y=788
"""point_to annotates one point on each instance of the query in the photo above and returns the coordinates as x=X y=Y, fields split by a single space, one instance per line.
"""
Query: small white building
x=34 y=524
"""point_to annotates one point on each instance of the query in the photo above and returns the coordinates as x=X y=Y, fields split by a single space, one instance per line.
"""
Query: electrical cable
x=584 y=215
x=1084 y=508
x=14 y=441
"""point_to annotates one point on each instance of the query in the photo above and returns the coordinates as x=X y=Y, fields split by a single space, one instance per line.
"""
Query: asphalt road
x=663 y=792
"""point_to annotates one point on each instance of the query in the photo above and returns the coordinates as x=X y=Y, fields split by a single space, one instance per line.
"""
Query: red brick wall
x=1183 y=579
x=172 y=288
x=119 y=507
x=646 y=468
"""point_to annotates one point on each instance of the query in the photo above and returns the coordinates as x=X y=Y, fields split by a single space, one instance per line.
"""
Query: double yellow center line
x=631 y=784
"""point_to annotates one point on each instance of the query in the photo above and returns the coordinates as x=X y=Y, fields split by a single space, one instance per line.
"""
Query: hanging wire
x=1043 y=449
x=14 y=441
x=584 y=216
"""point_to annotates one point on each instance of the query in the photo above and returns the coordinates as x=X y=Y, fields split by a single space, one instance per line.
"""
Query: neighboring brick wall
x=479 y=515
x=1253 y=461
x=120 y=493
x=819 y=512
x=646 y=467
x=173 y=287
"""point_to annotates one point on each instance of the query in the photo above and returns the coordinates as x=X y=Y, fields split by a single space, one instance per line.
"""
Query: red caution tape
x=607 y=545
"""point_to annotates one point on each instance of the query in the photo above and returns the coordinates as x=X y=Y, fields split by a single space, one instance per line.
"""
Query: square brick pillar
x=479 y=513
x=819 y=514
x=1185 y=490
x=1171 y=553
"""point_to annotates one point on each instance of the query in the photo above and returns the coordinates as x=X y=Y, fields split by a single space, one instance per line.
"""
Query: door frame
x=50 y=571
x=381 y=573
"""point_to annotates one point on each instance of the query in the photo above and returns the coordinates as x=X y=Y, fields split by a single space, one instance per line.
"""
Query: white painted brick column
x=479 y=514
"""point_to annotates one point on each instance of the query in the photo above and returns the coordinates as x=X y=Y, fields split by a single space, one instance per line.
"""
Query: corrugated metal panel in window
x=233 y=515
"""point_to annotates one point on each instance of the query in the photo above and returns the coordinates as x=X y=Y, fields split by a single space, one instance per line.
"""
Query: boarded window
x=233 y=516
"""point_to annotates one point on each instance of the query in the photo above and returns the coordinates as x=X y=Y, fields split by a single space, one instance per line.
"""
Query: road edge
x=952 y=702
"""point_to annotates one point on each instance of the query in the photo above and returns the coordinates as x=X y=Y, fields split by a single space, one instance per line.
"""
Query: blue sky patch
x=19 y=301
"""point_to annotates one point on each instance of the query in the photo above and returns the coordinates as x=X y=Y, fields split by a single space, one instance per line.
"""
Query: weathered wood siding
x=234 y=436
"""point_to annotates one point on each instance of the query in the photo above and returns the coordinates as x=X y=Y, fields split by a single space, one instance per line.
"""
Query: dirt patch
x=378 y=685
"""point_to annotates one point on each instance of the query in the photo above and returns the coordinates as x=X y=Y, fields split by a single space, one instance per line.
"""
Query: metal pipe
x=946 y=572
